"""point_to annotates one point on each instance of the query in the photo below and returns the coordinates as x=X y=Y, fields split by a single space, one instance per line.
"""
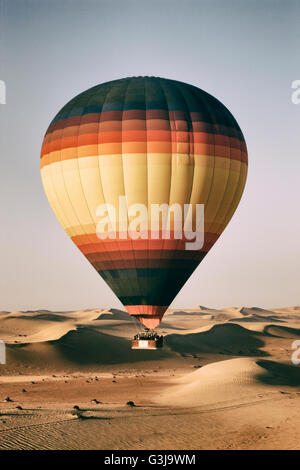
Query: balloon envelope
x=155 y=141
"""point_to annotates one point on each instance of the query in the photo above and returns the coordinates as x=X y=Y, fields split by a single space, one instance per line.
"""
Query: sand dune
x=102 y=336
x=252 y=310
x=228 y=339
x=215 y=383
x=200 y=310
x=282 y=331
x=227 y=381
x=279 y=374
x=228 y=365
x=99 y=348
x=113 y=314
x=45 y=316
x=294 y=309
x=81 y=348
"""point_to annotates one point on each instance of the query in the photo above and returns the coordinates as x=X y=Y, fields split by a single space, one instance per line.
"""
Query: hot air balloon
x=146 y=141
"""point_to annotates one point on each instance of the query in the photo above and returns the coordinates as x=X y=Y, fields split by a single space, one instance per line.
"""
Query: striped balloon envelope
x=147 y=142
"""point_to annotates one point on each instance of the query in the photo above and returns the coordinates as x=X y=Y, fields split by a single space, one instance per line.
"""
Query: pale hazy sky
x=245 y=53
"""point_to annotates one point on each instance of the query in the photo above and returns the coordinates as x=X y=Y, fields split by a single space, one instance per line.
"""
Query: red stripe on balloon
x=149 y=315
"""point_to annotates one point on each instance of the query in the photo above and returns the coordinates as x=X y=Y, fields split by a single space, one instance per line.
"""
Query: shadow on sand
x=229 y=339
x=279 y=374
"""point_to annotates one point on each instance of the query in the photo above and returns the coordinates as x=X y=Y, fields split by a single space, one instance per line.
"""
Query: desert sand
x=224 y=380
